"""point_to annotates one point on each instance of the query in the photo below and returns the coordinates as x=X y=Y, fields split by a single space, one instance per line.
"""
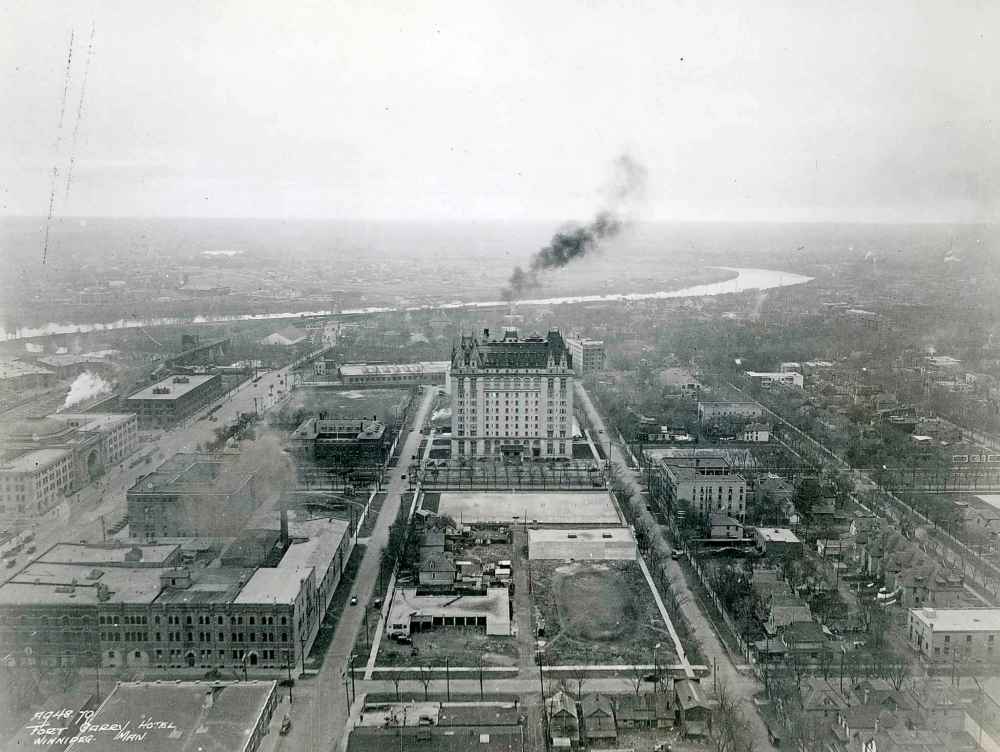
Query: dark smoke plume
x=628 y=184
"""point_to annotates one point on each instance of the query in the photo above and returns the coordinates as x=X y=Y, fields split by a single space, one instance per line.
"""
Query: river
x=746 y=279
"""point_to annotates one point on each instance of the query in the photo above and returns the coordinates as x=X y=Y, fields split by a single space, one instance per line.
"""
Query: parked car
x=354 y=600
x=286 y=725
x=403 y=639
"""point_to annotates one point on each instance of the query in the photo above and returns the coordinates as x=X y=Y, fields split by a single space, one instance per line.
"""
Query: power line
x=58 y=143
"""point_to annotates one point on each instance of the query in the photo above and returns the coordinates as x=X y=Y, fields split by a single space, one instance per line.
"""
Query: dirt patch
x=597 y=613
x=594 y=603
x=460 y=646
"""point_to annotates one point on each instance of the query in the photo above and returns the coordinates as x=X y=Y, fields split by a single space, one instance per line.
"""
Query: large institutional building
x=173 y=399
x=709 y=484
x=44 y=460
x=512 y=397
x=196 y=603
x=193 y=494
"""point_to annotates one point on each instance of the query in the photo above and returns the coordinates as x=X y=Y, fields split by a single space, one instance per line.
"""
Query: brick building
x=173 y=399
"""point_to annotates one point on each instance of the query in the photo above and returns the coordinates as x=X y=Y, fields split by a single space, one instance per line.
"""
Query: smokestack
x=284 y=527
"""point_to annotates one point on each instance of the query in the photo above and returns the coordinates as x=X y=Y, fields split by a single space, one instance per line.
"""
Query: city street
x=743 y=685
x=86 y=515
x=320 y=708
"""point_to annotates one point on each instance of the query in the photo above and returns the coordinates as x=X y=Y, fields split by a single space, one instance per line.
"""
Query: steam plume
x=85 y=386
x=628 y=183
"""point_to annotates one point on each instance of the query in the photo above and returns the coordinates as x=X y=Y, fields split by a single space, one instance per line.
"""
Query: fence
x=487 y=476
x=730 y=623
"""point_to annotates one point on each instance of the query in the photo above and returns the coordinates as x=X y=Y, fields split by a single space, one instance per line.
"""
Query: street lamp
x=656 y=668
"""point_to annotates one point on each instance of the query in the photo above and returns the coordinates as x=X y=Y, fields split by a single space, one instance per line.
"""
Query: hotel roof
x=177 y=390
x=209 y=716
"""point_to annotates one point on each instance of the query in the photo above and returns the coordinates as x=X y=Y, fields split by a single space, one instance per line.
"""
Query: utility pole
x=447 y=677
x=354 y=692
x=545 y=710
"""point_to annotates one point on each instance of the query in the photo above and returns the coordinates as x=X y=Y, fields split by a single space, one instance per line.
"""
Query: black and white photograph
x=499 y=376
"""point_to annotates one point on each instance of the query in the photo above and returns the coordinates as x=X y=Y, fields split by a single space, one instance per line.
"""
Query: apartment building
x=947 y=635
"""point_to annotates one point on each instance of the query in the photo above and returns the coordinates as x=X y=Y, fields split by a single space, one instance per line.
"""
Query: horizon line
x=484 y=220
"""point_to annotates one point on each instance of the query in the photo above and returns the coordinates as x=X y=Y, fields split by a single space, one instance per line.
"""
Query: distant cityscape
x=531 y=527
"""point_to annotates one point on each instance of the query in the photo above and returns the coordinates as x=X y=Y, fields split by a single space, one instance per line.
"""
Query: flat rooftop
x=209 y=585
x=582 y=535
x=558 y=508
x=153 y=554
x=94 y=421
x=281 y=584
x=959 y=619
x=34 y=460
x=778 y=535
x=406 y=603
x=12 y=369
x=69 y=584
x=389 y=369
x=992 y=499
x=176 y=389
x=196 y=473
x=209 y=716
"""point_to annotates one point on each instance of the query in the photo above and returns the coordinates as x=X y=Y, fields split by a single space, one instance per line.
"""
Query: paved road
x=320 y=708
x=743 y=686
x=79 y=518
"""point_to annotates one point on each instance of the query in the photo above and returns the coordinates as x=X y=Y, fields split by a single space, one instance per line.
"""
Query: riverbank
x=736 y=280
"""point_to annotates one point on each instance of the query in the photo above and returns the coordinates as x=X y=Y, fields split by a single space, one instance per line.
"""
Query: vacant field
x=598 y=613
x=458 y=646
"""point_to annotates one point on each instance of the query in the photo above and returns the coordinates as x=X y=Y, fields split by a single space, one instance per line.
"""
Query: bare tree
x=395 y=676
x=636 y=671
x=730 y=730
x=579 y=674
x=894 y=669
x=825 y=661
x=425 y=672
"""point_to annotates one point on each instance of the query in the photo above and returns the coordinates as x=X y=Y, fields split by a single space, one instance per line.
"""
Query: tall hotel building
x=512 y=397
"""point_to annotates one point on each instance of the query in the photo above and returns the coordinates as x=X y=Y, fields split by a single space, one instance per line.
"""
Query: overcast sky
x=374 y=109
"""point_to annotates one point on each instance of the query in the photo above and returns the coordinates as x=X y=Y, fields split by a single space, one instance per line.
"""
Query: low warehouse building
x=611 y=543
x=412 y=611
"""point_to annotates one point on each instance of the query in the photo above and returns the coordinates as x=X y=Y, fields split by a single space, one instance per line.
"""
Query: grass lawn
x=598 y=613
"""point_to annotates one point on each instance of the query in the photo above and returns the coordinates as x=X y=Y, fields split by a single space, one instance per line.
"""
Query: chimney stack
x=284 y=527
